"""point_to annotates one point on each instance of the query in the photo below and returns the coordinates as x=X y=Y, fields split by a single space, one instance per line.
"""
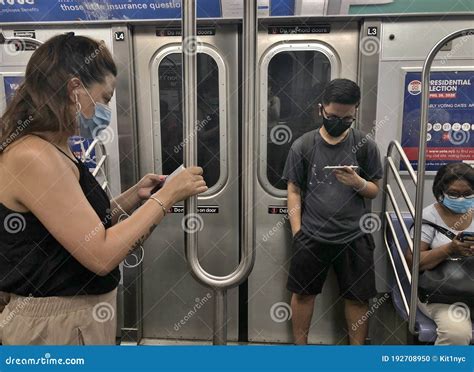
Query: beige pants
x=453 y=322
x=76 y=320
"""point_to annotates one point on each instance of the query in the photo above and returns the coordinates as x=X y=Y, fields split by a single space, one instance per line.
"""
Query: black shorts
x=353 y=263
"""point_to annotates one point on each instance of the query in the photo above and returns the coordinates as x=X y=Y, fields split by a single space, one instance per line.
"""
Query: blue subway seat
x=425 y=326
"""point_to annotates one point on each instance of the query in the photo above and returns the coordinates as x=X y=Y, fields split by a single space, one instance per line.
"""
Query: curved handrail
x=387 y=224
x=425 y=86
x=103 y=162
x=221 y=283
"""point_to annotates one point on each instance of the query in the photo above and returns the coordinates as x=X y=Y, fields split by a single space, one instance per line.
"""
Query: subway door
x=174 y=305
x=293 y=69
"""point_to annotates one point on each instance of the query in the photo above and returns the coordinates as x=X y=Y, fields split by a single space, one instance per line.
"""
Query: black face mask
x=335 y=127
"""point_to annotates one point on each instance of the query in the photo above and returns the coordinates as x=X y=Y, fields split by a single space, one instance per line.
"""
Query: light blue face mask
x=90 y=128
x=458 y=205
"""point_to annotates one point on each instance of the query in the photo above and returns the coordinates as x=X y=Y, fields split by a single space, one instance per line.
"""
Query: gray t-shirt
x=432 y=236
x=332 y=211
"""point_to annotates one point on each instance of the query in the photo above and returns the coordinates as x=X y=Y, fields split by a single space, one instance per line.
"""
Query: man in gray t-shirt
x=330 y=229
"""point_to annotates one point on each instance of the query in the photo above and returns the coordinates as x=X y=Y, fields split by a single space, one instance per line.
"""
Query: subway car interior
x=220 y=275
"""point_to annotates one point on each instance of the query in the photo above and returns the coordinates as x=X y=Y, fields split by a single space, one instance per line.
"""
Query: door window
x=171 y=115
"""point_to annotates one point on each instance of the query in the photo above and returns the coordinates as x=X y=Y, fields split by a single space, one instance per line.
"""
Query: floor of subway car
x=165 y=342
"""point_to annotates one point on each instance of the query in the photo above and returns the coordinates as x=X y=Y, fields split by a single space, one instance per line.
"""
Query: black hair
x=342 y=91
x=449 y=173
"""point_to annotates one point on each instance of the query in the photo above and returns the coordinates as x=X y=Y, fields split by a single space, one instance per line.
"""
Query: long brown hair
x=41 y=103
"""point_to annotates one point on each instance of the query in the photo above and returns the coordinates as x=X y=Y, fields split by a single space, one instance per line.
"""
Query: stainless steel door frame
x=175 y=306
x=209 y=50
x=268 y=300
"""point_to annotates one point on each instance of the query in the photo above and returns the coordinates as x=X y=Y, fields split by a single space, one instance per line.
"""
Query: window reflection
x=171 y=115
x=295 y=82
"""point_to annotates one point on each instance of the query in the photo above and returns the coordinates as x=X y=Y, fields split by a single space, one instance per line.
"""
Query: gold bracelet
x=160 y=203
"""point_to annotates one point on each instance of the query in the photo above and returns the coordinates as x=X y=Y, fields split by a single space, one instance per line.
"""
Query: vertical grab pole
x=220 y=284
x=220 y=317
x=425 y=87
x=189 y=49
x=249 y=87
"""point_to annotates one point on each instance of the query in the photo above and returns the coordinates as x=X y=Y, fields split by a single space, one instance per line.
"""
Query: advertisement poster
x=79 y=147
x=11 y=84
x=96 y=10
x=90 y=10
x=450 y=118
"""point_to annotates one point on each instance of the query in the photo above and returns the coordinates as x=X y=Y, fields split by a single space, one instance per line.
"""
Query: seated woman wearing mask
x=453 y=189
x=60 y=239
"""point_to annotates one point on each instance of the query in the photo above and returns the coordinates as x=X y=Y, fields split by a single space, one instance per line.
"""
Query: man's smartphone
x=161 y=184
x=340 y=166
x=466 y=234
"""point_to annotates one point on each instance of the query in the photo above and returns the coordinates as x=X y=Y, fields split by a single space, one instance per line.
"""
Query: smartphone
x=340 y=166
x=161 y=184
x=466 y=234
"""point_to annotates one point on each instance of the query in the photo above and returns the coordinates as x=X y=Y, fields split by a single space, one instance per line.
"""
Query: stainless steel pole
x=189 y=106
x=220 y=284
x=425 y=90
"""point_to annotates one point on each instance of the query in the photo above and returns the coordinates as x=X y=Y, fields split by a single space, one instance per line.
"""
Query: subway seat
x=425 y=326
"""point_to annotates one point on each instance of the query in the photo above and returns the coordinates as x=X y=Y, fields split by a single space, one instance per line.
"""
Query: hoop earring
x=78 y=104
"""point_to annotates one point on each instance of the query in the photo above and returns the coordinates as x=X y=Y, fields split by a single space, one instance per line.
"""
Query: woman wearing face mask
x=453 y=189
x=60 y=241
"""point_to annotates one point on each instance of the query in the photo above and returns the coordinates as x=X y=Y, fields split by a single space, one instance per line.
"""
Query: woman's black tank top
x=33 y=262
